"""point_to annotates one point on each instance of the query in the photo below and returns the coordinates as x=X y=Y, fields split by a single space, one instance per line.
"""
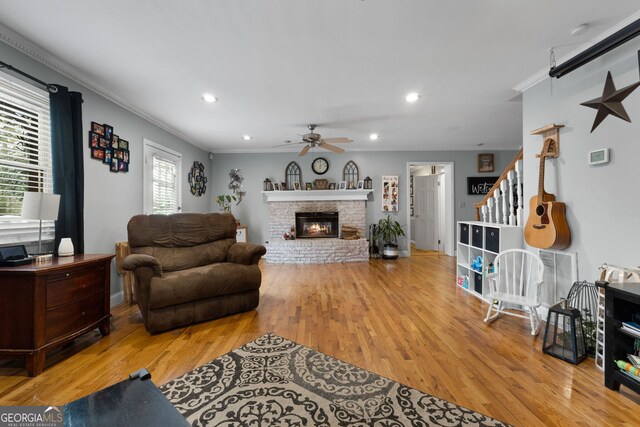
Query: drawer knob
x=67 y=274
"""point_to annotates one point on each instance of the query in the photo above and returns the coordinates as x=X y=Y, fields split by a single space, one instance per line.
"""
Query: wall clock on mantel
x=320 y=166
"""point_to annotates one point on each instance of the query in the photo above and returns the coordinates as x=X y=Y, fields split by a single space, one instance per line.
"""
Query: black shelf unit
x=622 y=300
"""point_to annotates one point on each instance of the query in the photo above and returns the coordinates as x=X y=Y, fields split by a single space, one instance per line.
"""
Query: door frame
x=149 y=147
x=449 y=205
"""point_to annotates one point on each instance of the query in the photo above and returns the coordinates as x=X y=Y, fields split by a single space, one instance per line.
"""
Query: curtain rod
x=50 y=87
x=614 y=40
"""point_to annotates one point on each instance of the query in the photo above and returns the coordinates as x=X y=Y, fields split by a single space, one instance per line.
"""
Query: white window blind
x=165 y=186
x=25 y=157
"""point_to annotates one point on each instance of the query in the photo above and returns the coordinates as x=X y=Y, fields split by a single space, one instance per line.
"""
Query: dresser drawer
x=74 y=285
x=65 y=319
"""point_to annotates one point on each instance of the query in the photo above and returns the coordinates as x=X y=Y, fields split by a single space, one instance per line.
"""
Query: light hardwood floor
x=403 y=319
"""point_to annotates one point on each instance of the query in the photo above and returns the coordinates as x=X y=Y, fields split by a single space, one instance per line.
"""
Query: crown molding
x=544 y=73
x=34 y=51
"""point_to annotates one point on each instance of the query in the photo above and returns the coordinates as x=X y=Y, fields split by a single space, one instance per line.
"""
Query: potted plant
x=389 y=230
x=224 y=201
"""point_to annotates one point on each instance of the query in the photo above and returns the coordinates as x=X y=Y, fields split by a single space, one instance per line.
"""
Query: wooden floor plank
x=403 y=319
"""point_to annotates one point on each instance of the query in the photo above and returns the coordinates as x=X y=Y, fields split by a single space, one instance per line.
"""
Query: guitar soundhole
x=540 y=210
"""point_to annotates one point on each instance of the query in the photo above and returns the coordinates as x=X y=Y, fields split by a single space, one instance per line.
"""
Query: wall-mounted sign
x=480 y=185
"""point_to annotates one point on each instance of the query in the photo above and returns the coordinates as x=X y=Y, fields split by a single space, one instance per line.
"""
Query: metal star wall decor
x=610 y=102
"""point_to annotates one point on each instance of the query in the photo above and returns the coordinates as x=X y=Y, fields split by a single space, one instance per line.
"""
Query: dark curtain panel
x=68 y=167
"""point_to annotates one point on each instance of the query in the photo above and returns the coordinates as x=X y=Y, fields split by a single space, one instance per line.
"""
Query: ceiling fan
x=313 y=139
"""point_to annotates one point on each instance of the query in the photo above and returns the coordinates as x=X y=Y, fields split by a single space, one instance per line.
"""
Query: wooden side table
x=47 y=305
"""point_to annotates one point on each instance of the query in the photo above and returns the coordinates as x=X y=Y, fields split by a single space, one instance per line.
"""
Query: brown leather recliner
x=189 y=268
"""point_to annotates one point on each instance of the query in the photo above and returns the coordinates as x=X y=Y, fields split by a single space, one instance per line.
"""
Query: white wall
x=602 y=202
x=252 y=211
x=111 y=199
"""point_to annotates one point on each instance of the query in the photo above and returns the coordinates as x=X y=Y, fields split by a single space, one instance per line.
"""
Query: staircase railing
x=503 y=203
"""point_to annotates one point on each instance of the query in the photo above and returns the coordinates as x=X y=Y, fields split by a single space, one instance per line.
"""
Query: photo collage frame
x=109 y=147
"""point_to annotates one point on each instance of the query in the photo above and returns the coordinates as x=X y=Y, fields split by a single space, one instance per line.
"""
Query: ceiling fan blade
x=337 y=140
x=304 y=150
x=332 y=148
x=289 y=143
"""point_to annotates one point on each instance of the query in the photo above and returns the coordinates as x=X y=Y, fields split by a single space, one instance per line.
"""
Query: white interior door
x=162 y=170
x=426 y=211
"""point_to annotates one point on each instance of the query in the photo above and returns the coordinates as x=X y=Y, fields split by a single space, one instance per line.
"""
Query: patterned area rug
x=275 y=382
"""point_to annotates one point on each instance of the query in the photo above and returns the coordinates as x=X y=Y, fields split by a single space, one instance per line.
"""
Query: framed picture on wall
x=485 y=162
x=390 y=193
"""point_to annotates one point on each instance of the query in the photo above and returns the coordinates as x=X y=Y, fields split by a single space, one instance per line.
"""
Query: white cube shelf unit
x=485 y=240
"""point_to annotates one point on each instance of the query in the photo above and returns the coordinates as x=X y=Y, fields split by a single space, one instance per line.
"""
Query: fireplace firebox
x=316 y=224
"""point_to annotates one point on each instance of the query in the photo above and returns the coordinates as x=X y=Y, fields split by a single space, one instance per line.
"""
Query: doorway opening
x=430 y=207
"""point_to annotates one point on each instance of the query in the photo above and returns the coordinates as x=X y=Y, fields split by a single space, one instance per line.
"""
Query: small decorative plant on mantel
x=224 y=201
x=389 y=230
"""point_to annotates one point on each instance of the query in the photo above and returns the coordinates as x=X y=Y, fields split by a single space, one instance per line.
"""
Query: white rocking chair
x=516 y=281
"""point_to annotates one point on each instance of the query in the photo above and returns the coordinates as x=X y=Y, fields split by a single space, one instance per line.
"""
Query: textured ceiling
x=277 y=65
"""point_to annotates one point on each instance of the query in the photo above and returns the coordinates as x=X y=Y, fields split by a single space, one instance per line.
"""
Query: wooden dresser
x=45 y=306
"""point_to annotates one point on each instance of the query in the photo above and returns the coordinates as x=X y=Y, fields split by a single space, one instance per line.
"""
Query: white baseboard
x=117 y=299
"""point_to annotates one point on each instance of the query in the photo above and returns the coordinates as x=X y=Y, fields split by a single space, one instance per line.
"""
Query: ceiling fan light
x=247 y=137
x=373 y=136
x=412 y=97
x=207 y=97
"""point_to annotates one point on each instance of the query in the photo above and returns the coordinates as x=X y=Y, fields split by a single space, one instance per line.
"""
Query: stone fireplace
x=286 y=207
x=311 y=225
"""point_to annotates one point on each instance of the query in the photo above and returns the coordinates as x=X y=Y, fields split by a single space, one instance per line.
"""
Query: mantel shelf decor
x=311 y=195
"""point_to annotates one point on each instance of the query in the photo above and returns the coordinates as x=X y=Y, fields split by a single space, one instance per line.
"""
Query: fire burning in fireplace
x=316 y=224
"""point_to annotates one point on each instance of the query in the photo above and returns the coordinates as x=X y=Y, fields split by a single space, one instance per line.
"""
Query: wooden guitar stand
x=551 y=132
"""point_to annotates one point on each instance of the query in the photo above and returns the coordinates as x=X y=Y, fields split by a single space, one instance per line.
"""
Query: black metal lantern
x=368 y=183
x=266 y=185
x=563 y=336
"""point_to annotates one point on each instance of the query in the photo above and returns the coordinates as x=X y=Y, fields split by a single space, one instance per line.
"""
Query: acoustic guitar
x=546 y=227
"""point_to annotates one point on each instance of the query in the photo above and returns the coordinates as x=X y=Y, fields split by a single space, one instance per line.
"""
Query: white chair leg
x=535 y=321
x=498 y=308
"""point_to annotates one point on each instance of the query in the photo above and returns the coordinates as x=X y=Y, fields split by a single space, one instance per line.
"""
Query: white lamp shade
x=42 y=206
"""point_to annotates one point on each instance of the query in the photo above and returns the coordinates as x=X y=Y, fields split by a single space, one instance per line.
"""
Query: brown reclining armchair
x=189 y=268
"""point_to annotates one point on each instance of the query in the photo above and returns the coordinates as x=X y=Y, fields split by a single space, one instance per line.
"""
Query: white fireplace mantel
x=312 y=195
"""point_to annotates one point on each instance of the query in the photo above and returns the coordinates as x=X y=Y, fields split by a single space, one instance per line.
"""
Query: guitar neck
x=541 y=179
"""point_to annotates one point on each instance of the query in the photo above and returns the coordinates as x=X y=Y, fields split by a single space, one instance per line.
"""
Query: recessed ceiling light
x=207 y=97
x=412 y=97
x=246 y=137
x=373 y=136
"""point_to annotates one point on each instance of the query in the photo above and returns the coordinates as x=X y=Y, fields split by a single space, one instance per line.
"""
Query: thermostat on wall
x=598 y=157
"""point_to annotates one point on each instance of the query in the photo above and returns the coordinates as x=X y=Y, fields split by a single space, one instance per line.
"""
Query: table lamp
x=40 y=206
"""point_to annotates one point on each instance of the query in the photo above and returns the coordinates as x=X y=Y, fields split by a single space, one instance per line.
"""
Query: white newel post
x=490 y=209
x=520 y=192
x=511 y=175
x=483 y=213
x=505 y=199
x=496 y=196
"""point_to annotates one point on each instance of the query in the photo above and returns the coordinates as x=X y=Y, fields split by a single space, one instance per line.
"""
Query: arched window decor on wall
x=292 y=175
x=350 y=174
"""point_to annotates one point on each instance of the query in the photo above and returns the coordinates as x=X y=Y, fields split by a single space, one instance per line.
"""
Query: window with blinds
x=165 y=187
x=25 y=157
x=25 y=145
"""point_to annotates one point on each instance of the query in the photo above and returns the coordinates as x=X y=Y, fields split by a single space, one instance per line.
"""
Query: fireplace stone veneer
x=315 y=251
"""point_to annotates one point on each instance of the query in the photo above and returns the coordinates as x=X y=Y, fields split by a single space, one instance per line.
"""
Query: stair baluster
x=505 y=202
x=512 y=207
x=518 y=168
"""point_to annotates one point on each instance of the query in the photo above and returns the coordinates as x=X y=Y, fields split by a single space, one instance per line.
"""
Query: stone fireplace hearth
x=350 y=208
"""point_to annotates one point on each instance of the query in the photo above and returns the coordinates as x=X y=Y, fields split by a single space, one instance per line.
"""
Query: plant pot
x=390 y=251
